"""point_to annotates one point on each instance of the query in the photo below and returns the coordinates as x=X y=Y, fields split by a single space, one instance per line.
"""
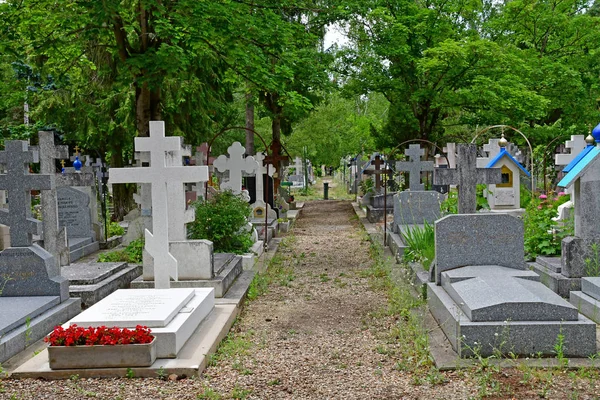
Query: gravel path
x=322 y=330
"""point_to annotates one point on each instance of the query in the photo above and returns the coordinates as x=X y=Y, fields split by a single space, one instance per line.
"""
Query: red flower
x=78 y=336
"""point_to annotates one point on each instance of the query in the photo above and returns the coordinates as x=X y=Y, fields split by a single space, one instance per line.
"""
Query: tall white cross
x=158 y=175
x=235 y=163
x=260 y=171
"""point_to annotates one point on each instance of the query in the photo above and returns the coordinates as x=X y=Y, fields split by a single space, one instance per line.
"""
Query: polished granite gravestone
x=376 y=210
x=74 y=214
x=33 y=296
x=172 y=314
x=416 y=207
x=587 y=300
x=485 y=300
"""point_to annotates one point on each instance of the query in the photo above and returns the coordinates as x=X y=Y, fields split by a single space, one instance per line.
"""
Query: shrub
x=131 y=254
x=421 y=244
x=114 y=229
x=221 y=220
x=541 y=235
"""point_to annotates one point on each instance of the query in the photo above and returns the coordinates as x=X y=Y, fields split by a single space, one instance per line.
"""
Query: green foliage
x=541 y=235
x=367 y=186
x=450 y=205
x=592 y=264
x=114 y=229
x=421 y=244
x=131 y=254
x=222 y=220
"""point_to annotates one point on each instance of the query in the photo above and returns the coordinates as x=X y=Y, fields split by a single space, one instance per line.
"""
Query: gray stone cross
x=466 y=176
x=19 y=183
x=414 y=166
x=55 y=238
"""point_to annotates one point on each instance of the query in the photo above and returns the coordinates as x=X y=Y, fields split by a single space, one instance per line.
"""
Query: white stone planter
x=123 y=355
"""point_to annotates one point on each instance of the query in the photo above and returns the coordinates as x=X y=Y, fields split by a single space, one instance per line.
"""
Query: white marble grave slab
x=126 y=308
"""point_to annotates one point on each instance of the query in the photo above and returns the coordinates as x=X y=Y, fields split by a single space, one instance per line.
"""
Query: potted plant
x=100 y=347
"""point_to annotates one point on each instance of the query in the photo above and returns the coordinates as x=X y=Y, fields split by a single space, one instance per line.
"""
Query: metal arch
x=528 y=144
x=266 y=242
x=392 y=152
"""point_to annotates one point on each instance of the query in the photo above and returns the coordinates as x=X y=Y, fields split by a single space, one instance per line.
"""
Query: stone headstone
x=74 y=212
x=414 y=166
x=19 y=183
x=417 y=207
x=466 y=176
x=478 y=239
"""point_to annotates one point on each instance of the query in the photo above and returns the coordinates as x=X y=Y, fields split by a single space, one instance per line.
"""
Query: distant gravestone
x=576 y=145
x=417 y=207
x=478 y=239
x=466 y=176
x=414 y=166
x=235 y=164
x=74 y=212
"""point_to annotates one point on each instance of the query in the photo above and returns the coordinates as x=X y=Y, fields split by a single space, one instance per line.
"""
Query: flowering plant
x=77 y=336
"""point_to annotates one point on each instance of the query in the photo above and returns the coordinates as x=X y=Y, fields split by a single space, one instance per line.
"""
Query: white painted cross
x=260 y=171
x=576 y=144
x=158 y=174
x=179 y=214
x=235 y=163
x=492 y=148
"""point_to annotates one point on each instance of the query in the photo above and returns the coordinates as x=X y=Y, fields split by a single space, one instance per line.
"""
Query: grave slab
x=127 y=308
x=92 y=282
x=14 y=311
x=172 y=314
x=591 y=286
x=492 y=293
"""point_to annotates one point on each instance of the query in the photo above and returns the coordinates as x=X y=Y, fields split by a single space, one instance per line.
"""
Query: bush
x=221 y=220
x=541 y=235
x=114 y=229
x=420 y=244
x=131 y=254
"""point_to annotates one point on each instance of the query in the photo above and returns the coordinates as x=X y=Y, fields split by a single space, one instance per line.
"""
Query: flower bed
x=101 y=347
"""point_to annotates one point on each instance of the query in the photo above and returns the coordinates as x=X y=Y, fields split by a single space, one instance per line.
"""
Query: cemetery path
x=326 y=328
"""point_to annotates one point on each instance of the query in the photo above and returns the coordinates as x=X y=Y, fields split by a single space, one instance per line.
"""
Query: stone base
x=81 y=247
x=397 y=246
x=249 y=259
x=549 y=272
x=376 y=214
x=519 y=337
x=587 y=301
x=227 y=267
x=28 y=319
x=515 y=212
x=94 y=281
x=176 y=331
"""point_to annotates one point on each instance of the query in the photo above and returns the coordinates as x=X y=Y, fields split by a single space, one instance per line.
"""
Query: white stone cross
x=492 y=148
x=235 y=163
x=466 y=175
x=260 y=171
x=576 y=144
x=414 y=166
x=158 y=174
x=179 y=214
x=19 y=183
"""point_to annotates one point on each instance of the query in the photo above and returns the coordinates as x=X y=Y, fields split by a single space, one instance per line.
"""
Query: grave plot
x=563 y=274
x=70 y=230
x=483 y=297
x=34 y=297
x=186 y=320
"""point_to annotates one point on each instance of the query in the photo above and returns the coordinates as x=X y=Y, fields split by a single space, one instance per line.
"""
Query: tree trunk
x=249 y=125
x=123 y=192
x=147 y=108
